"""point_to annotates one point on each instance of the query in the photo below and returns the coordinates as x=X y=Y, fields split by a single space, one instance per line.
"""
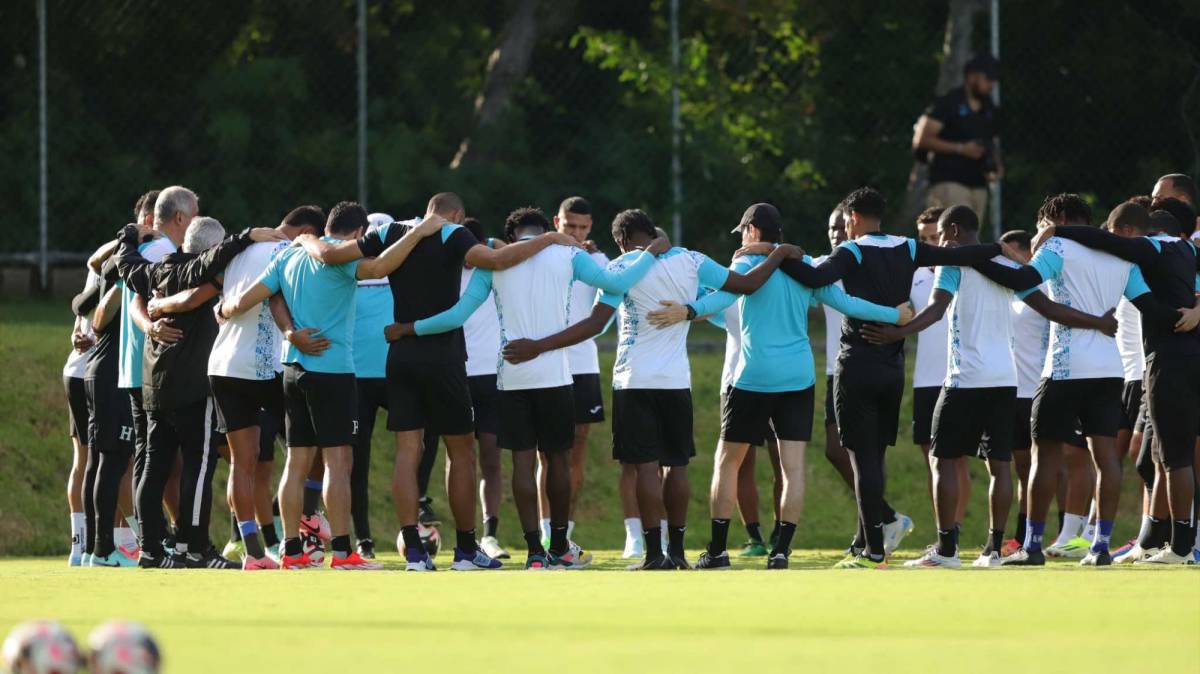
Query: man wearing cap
x=958 y=135
x=772 y=388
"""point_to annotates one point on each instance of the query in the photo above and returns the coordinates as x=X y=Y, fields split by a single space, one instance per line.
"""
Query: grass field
x=1052 y=619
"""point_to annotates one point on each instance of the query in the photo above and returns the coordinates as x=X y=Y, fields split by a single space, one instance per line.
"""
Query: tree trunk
x=956 y=49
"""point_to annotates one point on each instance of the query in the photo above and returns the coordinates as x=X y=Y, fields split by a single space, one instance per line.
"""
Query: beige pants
x=945 y=195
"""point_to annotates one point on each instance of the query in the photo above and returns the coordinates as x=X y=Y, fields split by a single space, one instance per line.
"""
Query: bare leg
x=963 y=475
x=404 y=476
x=723 y=493
x=747 y=489
x=263 y=471
x=777 y=469
x=525 y=491
x=791 y=455
x=243 y=448
x=628 y=490
x=491 y=479
x=1108 y=470
x=1000 y=494
x=291 y=488
x=578 y=463
x=336 y=487
x=460 y=479
x=1046 y=463
x=75 y=478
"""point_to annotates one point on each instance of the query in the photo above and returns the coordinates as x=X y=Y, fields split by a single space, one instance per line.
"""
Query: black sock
x=1157 y=535
x=1020 y=528
x=533 y=543
x=675 y=540
x=340 y=546
x=312 y=498
x=465 y=540
x=291 y=547
x=946 y=547
x=275 y=507
x=775 y=532
x=412 y=542
x=490 y=526
x=235 y=532
x=254 y=546
x=755 y=532
x=1061 y=515
x=653 y=538
x=996 y=542
x=1183 y=537
x=889 y=513
x=783 y=546
x=720 y=537
x=269 y=535
x=558 y=539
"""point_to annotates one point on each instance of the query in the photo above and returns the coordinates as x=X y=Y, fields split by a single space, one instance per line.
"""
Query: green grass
x=801 y=620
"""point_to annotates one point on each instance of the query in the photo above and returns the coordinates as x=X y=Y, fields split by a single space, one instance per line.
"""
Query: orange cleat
x=353 y=562
x=294 y=563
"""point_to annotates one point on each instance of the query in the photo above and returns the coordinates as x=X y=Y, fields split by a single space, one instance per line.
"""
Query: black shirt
x=426 y=284
x=961 y=124
x=102 y=361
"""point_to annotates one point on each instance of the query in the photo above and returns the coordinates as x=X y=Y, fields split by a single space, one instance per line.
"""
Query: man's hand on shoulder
x=432 y=224
x=562 y=239
x=591 y=247
x=760 y=248
x=1042 y=236
x=658 y=246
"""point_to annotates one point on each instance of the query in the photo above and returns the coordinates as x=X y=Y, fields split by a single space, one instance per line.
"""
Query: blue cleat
x=474 y=561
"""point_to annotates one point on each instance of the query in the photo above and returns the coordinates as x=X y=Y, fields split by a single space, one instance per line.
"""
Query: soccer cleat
x=1023 y=557
x=316 y=525
x=1196 y=556
x=273 y=552
x=1097 y=558
x=85 y=559
x=894 y=533
x=1076 y=548
x=492 y=548
x=634 y=547
x=313 y=548
x=987 y=560
x=423 y=564
x=679 y=562
x=1134 y=554
x=234 y=550
x=164 y=562
x=1124 y=548
x=753 y=549
x=933 y=560
x=584 y=557
x=115 y=559
x=1165 y=557
x=653 y=564
x=711 y=562
x=425 y=513
x=777 y=561
x=536 y=562
x=353 y=562
x=366 y=548
x=75 y=559
x=473 y=561
x=861 y=562
x=296 y=563
x=573 y=559
x=263 y=563
x=211 y=560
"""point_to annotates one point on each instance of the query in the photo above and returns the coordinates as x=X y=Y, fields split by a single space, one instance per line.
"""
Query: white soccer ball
x=123 y=648
x=41 y=647
x=431 y=539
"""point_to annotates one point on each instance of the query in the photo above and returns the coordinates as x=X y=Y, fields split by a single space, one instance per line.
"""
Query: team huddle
x=1057 y=354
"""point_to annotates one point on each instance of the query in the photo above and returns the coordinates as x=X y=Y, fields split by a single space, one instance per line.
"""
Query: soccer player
x=245 y=375
x=652 y=398
x=764 y=396
x=177 y=402
x=1172 y=349
x=1181 y=187
x=1082 y=378
x=427 y=379
x=869 y=379
x=83 y=340
x=535 y=402
x=319 y=391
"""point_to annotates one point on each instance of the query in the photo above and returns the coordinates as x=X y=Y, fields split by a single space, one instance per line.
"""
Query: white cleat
x=634 y=548
x=492 y=548
x=932 y=560
x=1166 y=557
x=989 y=560
x=895 y=532
x=1135 y=554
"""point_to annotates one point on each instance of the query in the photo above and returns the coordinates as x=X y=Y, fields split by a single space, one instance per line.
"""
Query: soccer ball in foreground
x=123 y=648
x=430 y=538
x=41 y=647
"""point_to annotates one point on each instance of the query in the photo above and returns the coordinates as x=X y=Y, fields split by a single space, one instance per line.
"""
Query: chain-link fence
x=255 y=105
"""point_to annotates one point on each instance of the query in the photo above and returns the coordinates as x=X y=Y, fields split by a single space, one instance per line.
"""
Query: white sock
x=1089 y=531
x=545 y=526
x=570 y=528
x=124 y=538
x=78 y=523
x=1072 y=527
x=181 y=548
x=633 y=528
x=133 y=526
x=662 y=528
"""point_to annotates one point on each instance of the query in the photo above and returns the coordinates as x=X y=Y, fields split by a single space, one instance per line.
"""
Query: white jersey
x=532 y=302
x=980 y=336
x=248 y=346
x=930 y=368
x=650 y=357
x=76 y=361
x=1129 y=340
x=1031 y=338
x=833 y=328
x=1092 y=282
x=732 y=317
x=482 y=334
x=582 y=357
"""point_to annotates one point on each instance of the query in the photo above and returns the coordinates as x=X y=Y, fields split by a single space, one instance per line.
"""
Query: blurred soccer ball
x=41 y=647
x=123 y=648
x=431 y=539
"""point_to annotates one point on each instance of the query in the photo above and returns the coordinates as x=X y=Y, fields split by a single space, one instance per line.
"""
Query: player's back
x=776 y=353
x=980 y=334
x=1092 y=282
x=248 y=345
x=482 y=334
x=319 y=296
x=532 y=301
x=883 y=276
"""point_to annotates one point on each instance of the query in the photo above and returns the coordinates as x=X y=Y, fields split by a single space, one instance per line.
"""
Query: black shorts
x=1131 y=405
x=77 y=408
x=748 y=416
x=653 y=426
x=1063 y=408
x=866 y=401
x=974 y=422
x=589 y=402
x=1143 y=417
x=537 y=418
x=759 y=440
x=485 y=400
x=270 y=427
x=924 y=400
x=1022 y=423
x=1173 y=388
x=430 y=396
x=240 y=401
x=321 y=407
x=830 y=417
x=110 y=417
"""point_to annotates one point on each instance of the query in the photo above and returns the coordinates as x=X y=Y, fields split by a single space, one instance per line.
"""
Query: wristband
x=691 y=313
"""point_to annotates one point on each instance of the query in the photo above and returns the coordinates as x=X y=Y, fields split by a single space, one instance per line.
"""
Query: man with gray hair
x=175 y=387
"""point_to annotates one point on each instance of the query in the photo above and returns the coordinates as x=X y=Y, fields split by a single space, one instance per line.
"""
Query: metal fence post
x=676 y=130
x=997 y=189
x=362 y=102
x=43 y=220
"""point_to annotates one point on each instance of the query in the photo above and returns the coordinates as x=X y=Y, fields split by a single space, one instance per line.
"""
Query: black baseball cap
x=764 y=216
x=984 y=63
